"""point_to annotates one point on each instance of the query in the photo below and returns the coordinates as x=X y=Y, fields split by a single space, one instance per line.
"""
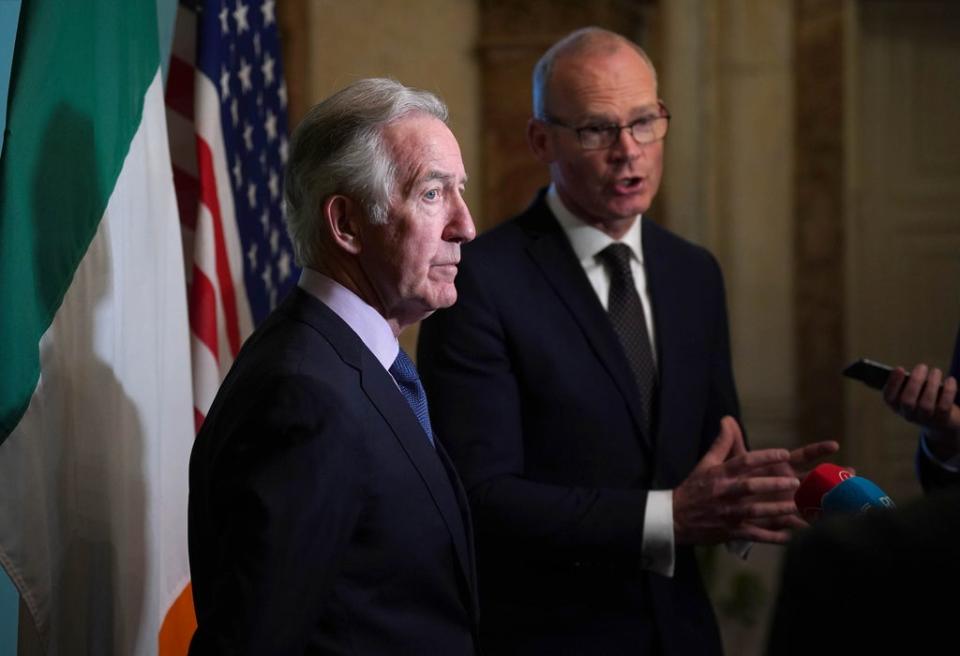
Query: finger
x=892 y=388
x=753 y=460
x=907 y=401
x=759 y=485
x=945 y=403
x=738 y=448
x=777 y=469
x=765 y=509
x=720 y=448
x=809 y=453
x=927 y=401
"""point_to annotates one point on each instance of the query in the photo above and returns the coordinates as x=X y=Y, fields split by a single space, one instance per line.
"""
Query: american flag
x=227 y=119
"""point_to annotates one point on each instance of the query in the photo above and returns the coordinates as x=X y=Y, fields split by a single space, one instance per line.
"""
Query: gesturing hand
x=733 y=494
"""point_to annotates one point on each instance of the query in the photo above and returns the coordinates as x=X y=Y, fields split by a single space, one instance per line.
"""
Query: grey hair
x=584 y=40
x=338 y=148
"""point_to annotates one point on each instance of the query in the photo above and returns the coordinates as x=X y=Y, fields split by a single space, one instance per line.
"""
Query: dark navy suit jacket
x=535 y=400
x=321 y=519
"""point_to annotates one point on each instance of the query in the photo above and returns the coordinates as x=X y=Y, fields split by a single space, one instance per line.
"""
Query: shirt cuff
x=739 y=548
x=657 y=552
x=952 y=465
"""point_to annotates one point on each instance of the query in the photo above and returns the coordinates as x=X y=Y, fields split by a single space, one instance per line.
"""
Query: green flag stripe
x=80 y=72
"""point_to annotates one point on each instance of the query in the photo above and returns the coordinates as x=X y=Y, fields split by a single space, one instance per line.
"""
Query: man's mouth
x=446 y=271
x=627 y=184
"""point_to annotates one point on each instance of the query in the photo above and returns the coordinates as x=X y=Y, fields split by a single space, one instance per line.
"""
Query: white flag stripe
x=206 y=376
x=208 y=127
x=204 y=259
x=107 y=435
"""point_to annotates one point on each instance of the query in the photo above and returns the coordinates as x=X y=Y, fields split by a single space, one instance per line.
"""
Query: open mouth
x=627 y=185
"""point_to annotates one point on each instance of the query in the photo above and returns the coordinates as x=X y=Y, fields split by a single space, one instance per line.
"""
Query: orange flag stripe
x=178 y=625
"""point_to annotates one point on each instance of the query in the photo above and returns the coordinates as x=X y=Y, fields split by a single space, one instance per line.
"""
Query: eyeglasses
x=645 y=130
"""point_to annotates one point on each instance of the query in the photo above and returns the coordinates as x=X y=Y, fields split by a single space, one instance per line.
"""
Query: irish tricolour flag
x=96 y=416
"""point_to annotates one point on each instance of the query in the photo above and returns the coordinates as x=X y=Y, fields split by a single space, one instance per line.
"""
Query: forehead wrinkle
x=419 y=153
x=444 y=176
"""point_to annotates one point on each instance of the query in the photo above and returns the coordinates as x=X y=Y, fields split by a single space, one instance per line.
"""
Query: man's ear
x=540 y=142
x=344 y=218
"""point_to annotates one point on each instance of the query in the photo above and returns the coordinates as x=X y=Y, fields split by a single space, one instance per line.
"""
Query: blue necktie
x=405 y=373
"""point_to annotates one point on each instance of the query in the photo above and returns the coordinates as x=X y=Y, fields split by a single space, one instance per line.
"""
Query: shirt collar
x=586 y=240
x=369 y=325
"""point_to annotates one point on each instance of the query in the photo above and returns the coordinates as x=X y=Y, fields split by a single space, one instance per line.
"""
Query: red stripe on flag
x=188 y=196
x=203 y=311
x=180 y=87
x=208 y=196
x=198 y=419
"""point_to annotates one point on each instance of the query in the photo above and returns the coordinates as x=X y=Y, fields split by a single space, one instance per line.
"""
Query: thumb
x=737 y=448
x=720 y=449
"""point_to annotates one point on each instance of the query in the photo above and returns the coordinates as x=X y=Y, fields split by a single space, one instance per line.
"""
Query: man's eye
x=432 y=194
x=645 y=121
x=597 y=129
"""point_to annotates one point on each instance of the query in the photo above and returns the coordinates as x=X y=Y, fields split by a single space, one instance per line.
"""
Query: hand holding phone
x=875 y=374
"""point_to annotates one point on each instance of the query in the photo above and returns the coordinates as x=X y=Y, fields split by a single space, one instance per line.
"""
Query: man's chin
x=445 y=300
x=619 y=209
x=425 y=307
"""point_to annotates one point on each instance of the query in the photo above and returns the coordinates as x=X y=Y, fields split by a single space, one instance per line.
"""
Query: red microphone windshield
x=817 y=483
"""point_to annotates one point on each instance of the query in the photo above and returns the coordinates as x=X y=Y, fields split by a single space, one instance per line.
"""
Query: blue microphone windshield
x=855 y=495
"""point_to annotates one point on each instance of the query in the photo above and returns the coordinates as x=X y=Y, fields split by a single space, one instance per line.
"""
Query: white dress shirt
x=369 y=325
x=657 y=552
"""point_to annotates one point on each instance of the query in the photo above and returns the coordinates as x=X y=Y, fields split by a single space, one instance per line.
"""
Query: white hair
x=338 y=148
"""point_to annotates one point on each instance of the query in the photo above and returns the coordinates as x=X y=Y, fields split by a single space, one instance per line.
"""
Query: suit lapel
x=383 y=393
x=464 y=505
x=551 y=251
x=669 y=324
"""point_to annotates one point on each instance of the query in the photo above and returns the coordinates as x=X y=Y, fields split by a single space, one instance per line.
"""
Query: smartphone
x=873 y=374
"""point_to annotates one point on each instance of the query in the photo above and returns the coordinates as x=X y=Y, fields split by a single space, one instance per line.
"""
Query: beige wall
x=423 y=43
x=727 y=77
x=430 y=44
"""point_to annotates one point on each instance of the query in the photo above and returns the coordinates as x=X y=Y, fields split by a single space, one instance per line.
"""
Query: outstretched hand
x=735 y=494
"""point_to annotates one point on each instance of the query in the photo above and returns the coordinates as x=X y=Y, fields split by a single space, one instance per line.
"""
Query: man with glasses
x=584 y=388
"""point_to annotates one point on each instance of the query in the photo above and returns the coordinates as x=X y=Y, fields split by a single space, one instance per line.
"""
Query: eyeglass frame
x=664 y=114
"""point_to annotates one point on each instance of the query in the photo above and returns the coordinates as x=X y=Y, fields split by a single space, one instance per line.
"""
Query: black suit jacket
x=321 y=520
x=532 y=392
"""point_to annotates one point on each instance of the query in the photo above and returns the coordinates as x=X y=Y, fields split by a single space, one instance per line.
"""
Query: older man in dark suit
x=324 y=517
x=581 y=383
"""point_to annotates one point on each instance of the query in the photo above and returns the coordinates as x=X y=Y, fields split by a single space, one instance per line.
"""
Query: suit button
x=576 y=563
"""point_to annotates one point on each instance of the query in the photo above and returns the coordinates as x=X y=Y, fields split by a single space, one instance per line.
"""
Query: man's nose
x=460 y=228
x=625 y=147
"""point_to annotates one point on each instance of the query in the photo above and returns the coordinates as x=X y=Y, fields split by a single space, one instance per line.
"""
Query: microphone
x=830 y=489
x=855 y=495
x=815 y=485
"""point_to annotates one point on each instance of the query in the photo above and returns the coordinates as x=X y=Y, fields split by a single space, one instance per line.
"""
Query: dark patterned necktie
x=405 y=373
x=626 y=314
